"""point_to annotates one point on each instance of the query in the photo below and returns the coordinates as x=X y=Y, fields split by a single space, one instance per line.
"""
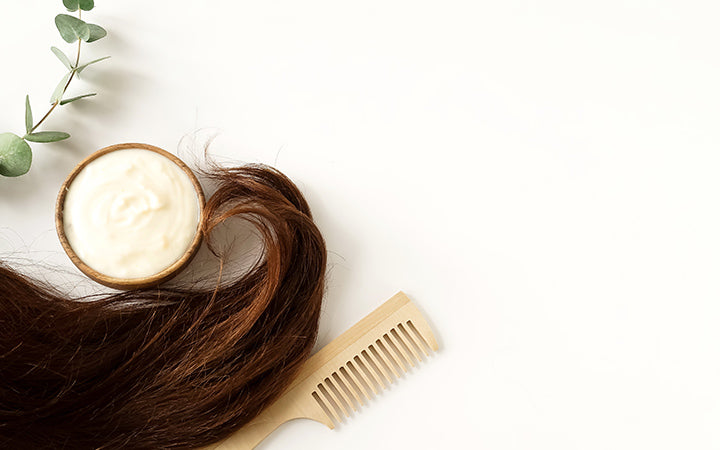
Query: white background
x=541 y=177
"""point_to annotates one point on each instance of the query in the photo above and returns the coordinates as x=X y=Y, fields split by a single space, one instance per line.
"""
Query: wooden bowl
x=128 y=283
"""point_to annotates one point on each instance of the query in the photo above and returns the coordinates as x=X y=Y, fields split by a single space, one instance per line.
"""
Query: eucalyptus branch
x=57 y=102
x=15 y=152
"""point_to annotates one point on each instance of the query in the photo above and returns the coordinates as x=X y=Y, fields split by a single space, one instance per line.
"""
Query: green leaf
x=28 y=115
x=96 y=33
x=71 y=28
x=73 y=5
x=87 y=5
x=62 y=57
x=47 y=136
x=81 y=68
x=60 y=89
x=15 y=155
x=70 y=100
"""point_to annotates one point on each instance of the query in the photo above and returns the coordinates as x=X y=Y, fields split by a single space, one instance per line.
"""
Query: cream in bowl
x=129 y=216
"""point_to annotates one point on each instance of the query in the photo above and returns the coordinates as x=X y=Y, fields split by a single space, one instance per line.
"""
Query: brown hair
x=166 y=367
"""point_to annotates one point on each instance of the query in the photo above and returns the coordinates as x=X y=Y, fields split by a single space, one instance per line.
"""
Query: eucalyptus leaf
x=96 y=32
x=81 y=68
x=79 y=97
x=73 y=5
x=87 y=5
x=15 y=155
x=71 y=28
x=28 y=115
x=62 y=57
x=60 y=89
x=46 y=136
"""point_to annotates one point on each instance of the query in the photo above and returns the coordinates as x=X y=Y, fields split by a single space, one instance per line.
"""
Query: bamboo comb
x=363 y=359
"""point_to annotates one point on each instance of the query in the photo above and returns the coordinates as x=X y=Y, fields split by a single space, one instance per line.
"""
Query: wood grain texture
x=121 y=283
x=338 y=379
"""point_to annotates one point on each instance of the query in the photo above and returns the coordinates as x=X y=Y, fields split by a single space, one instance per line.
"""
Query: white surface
x=540 y=177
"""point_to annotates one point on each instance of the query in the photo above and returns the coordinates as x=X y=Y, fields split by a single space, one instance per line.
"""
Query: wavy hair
x=167 y=367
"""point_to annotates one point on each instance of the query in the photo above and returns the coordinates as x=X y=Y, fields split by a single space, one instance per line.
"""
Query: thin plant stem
x=52 y=108
x=72 y=75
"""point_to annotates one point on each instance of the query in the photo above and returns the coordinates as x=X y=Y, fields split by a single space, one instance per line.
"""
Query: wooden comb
x=363 y=359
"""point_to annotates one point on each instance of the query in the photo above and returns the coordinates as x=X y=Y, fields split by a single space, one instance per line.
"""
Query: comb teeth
x=373 y=369
x=349 y=372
